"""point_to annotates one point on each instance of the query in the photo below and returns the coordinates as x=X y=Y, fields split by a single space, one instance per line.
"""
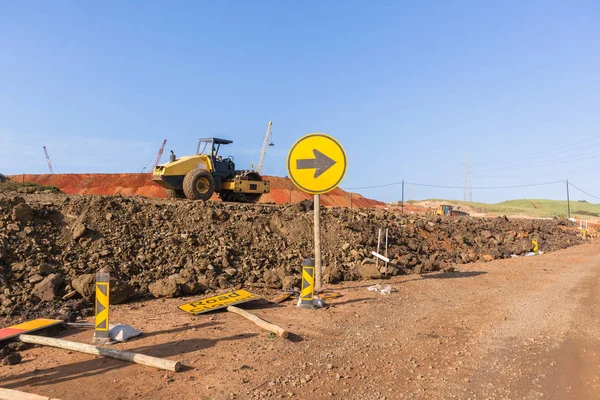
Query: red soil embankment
x=136 y=184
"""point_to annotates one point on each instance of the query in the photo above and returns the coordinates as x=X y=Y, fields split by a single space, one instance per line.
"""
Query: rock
x=120 y=291
x=270 y=276
x=36 y=278
x=78 y=231
x=45 y=269
x=47 y=289
x=231 y=271
x=487 y=257
x=18 y=267
x=345 y=246
x=22 y=213
x=85 y=285
x=367 y=270
x=290 y=282
x=13 y=228
x=12 y=359
x=164 y=288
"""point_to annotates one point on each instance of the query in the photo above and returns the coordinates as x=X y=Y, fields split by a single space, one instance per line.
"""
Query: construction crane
x=158 y=156
x=263 y=152
x=48 y=160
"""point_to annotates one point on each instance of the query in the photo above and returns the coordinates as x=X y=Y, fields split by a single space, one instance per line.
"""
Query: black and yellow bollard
x=307 y=294
x=101 y=335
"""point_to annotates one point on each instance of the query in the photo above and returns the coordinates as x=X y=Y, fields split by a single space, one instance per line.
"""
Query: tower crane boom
x=159 y=155
x=48 y=160
x=263 y=152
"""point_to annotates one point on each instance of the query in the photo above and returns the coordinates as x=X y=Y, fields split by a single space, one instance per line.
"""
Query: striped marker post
x=102 y=303
x=308 y=284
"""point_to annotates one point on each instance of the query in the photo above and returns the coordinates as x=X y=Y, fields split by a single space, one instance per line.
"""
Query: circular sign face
x=316 y=163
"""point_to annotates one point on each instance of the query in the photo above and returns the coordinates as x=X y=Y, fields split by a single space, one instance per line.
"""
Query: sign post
x=317 y=164
x=101 y=329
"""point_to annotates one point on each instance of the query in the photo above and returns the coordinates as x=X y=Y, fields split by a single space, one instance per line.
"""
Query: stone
x=85 y=286
x=367 y=270
x=22 y=213
x=17 y=267
x=164 y=288
x=487 y=257
x=12 y=359
x=231 y=271
x=119 y=292
x=78 y=231
x=47 y=289
x=36 y=278
x=345 y=246
x=290 y=282
x=45 y=269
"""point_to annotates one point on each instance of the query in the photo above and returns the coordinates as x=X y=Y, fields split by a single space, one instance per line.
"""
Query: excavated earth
x=51 y=246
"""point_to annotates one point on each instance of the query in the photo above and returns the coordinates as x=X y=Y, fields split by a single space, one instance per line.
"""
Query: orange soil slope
x=141 y=185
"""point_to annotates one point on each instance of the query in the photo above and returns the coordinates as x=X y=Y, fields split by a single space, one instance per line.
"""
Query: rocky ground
x=521 y=328
x=51 y=246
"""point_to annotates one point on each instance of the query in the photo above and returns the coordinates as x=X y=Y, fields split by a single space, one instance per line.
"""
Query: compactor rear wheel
x=198 y=184
x=175 y=194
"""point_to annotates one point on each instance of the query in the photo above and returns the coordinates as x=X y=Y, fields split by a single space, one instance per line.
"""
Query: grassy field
x=533 y=208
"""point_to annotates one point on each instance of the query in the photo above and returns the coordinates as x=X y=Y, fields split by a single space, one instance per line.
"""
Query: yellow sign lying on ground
x=220 y=301
x=316 y=163
x=26 y=327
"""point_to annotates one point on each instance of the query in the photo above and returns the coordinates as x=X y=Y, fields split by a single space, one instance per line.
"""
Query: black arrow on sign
x=320 y=163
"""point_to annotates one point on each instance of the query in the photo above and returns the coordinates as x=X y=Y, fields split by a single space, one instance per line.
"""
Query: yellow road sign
x=317 y=163
x=220 y=301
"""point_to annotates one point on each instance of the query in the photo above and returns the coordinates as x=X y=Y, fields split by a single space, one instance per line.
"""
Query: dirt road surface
x=522 y=328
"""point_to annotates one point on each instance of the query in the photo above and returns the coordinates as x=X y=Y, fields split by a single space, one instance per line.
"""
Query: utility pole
x=568 y=201
x=468 y=187
x=402 y=196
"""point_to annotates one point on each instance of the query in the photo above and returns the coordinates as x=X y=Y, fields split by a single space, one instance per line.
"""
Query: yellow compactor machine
x=198 y=177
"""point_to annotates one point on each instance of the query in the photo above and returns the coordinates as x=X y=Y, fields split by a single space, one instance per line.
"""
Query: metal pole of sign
x=101 y=327
x=318 y=271
x=386 y=248
x=378 y=244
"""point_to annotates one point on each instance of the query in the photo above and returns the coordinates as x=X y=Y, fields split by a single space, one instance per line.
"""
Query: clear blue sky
x=409 y=88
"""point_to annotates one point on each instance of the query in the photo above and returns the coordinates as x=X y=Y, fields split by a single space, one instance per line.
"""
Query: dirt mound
x=282 y=189
x=52 y=244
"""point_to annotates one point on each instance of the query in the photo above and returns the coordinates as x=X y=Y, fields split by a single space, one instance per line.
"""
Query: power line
x=545 y=153
x=454 y=187
x=568 y=159
x=486 y=187
x=583 y=191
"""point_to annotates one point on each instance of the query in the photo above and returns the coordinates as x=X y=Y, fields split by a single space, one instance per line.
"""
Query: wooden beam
x=10 y=394
x=260 y=322
x=160 y=363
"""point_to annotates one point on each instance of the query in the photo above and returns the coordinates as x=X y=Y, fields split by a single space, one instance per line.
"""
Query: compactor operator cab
x=210 y=147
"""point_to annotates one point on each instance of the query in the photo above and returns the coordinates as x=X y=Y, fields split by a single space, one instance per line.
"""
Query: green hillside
x=534 y=208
